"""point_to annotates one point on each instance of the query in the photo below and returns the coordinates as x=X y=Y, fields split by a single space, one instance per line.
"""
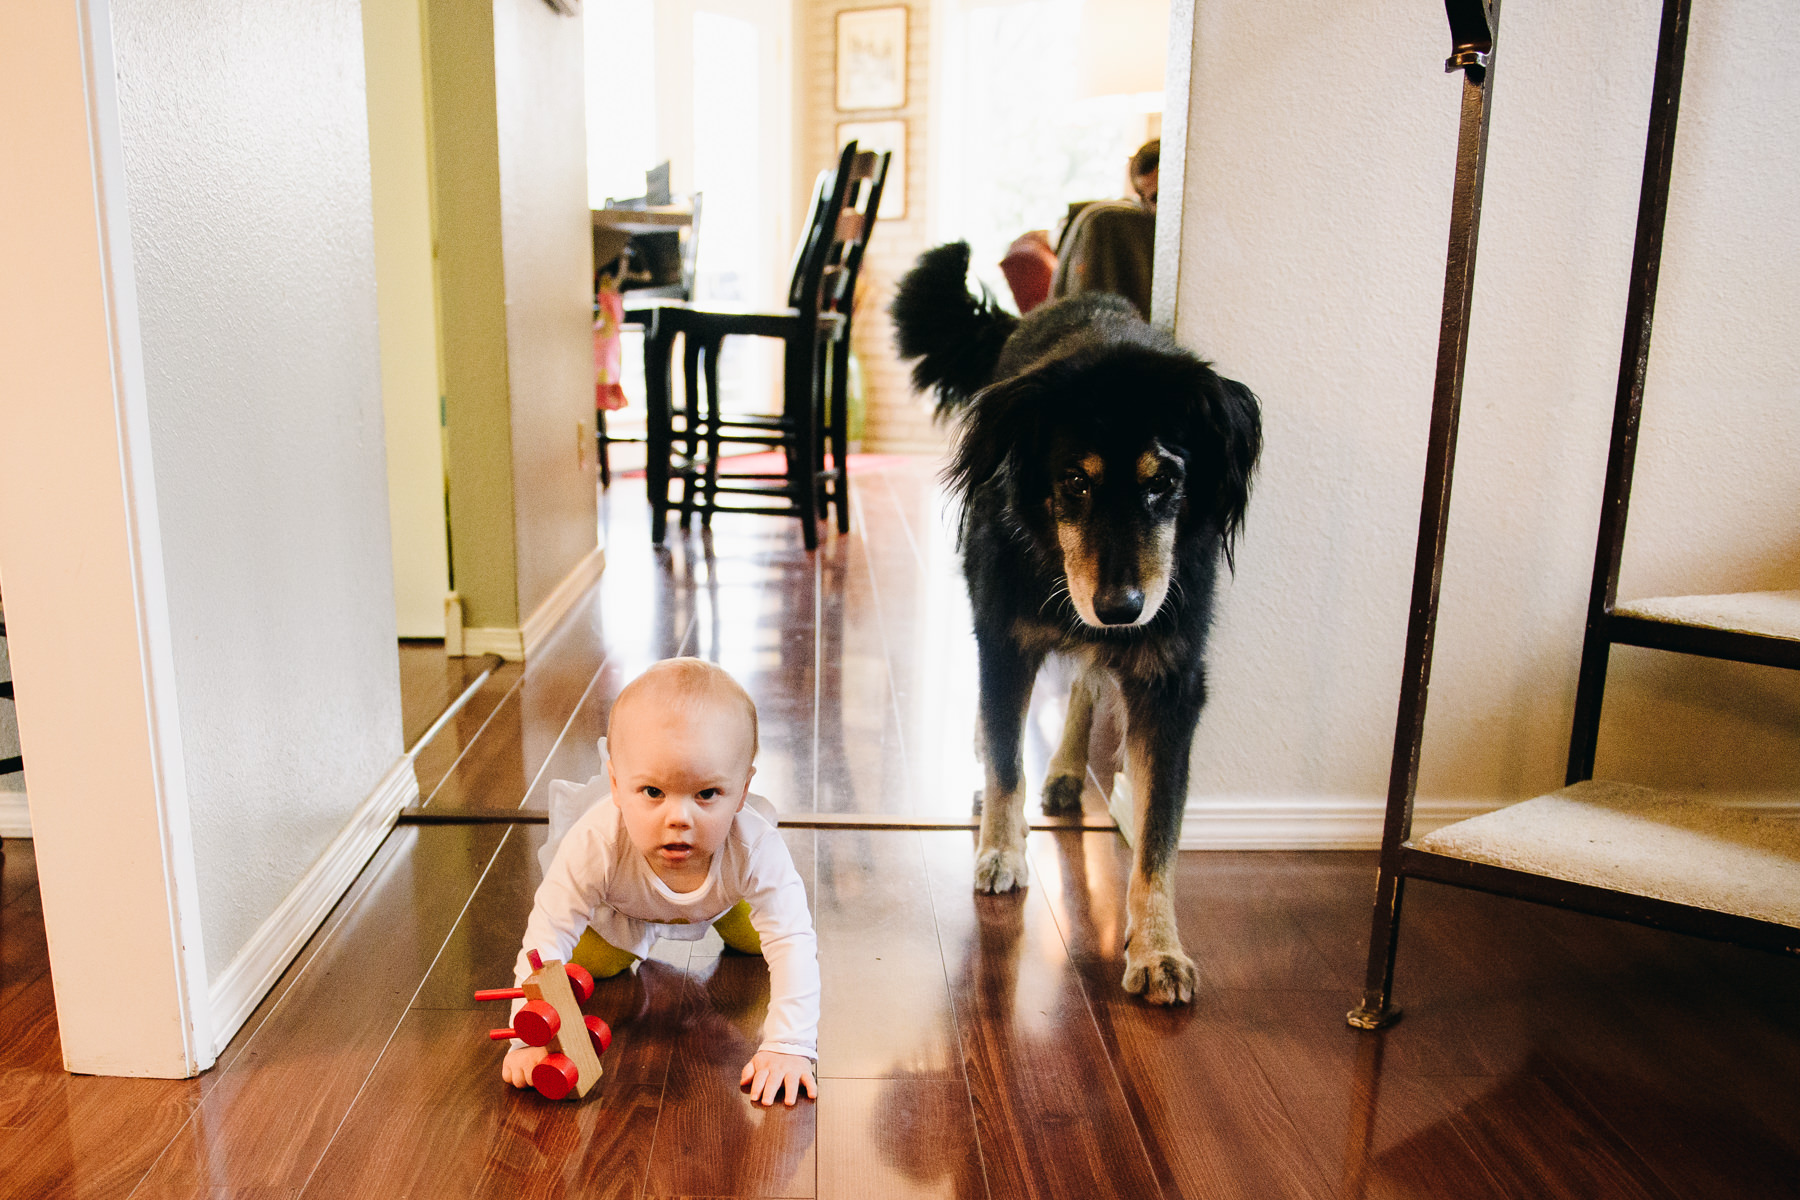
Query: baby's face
x=679 y=777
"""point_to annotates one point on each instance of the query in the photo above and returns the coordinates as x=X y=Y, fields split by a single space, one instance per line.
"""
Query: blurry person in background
x=1105 y=245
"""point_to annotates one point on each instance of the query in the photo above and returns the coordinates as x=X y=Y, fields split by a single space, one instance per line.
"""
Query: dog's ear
x=998 y=423
x=1226 y=437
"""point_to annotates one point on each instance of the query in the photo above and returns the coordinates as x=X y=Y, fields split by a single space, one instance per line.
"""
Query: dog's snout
x=1119 y=606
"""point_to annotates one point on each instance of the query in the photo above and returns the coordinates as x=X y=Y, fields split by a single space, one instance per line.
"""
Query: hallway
x=971 y=1046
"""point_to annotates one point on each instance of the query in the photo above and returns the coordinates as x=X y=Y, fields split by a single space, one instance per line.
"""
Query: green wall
x=465 y=147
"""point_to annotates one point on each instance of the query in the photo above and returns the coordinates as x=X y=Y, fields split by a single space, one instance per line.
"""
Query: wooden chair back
x=818 y=245
x=855 y=225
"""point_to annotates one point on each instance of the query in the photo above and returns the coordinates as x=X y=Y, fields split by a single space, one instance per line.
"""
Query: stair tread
x=1764 y=614
x=1665 y=846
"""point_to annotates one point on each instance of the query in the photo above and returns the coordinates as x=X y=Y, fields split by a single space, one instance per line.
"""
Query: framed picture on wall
x=878 y=136
x=871 y=58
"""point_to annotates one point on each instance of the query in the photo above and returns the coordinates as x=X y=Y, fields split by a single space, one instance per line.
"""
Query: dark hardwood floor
x=430 y=682
x=971 y=1046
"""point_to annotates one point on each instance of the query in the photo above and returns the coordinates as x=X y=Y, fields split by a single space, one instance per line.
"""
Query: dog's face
x=1115 y=465
x=1115 y=510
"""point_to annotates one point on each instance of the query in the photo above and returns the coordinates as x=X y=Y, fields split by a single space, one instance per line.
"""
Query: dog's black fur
x=1103 y=472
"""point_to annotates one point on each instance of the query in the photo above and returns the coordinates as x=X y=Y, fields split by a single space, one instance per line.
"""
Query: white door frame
x=88 y=622
x=1171 y=206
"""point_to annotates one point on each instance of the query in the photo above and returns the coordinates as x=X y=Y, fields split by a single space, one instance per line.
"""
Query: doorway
x=705 y=86
x=1040 y=103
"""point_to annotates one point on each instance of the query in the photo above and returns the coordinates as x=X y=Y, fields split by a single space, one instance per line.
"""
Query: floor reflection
x=859 y=655
x=713 y=1140
x=1365 y=1101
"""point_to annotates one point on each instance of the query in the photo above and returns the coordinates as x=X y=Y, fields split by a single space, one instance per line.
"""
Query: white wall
x=547 y=247
x=1317 y=195
x=246 y=157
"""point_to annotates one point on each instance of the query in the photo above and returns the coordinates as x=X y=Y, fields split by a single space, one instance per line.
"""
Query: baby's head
x=682 y=741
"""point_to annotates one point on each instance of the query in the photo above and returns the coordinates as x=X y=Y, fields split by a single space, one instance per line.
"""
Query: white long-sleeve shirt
x=599 y=879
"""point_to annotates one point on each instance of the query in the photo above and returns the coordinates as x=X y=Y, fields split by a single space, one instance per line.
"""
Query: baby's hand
x=520 y=1062
x=770 y=1073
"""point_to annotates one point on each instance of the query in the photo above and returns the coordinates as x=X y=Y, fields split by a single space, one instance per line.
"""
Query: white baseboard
x=557 y=605
x=1290 y=822
x=1354 y=822
x=15 y=817
x=518 y=645
x=485 y=639
x=243 y=984
x=1307 y=822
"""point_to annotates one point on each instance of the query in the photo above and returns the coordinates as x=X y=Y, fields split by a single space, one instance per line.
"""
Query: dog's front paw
x=1161 y=977
x=1062 y=795
x=999 y=871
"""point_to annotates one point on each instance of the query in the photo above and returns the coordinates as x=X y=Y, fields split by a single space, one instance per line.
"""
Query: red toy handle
x=580 y=982
x=555 y=1077
x=535 y=959
x=536 y=1023
x=500 y=994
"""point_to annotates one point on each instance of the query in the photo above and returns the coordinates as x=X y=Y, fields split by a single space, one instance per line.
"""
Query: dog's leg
x=1068 y=769
x=1160 y=720
x=1006 y=678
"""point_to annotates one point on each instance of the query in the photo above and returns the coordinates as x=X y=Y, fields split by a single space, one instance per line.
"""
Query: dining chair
x=811 y=424
x=660 y=282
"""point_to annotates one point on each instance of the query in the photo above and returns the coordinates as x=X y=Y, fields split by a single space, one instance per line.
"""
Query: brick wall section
x=897 y=420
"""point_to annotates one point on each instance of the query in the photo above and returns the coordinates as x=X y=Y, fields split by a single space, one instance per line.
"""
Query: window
x=1020 y=141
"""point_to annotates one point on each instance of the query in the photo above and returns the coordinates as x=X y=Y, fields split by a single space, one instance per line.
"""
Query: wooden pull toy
x=554 y=993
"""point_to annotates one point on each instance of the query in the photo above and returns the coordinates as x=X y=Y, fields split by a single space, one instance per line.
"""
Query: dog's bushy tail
x=955 y=335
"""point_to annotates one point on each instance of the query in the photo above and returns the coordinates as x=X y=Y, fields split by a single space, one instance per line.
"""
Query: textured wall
x=547 y=250
x=246 y=149
x=1313 y=268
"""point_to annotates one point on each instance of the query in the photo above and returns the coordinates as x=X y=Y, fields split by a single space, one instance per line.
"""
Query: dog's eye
x=1163 y=485
x=1075 y=484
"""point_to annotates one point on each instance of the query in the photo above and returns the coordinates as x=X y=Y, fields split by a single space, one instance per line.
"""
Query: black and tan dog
x=1103 y=472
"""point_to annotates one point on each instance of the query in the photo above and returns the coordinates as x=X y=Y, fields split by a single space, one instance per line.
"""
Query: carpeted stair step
x=1645 y=843
x=1761 y=627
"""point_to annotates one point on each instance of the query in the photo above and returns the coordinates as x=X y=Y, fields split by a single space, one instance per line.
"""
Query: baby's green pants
x=603 y=959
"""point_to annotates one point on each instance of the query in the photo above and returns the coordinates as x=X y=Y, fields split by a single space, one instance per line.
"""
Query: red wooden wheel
x=536 y=1023
x=555 y=1077
x=580 y=982
x=599 y=1033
